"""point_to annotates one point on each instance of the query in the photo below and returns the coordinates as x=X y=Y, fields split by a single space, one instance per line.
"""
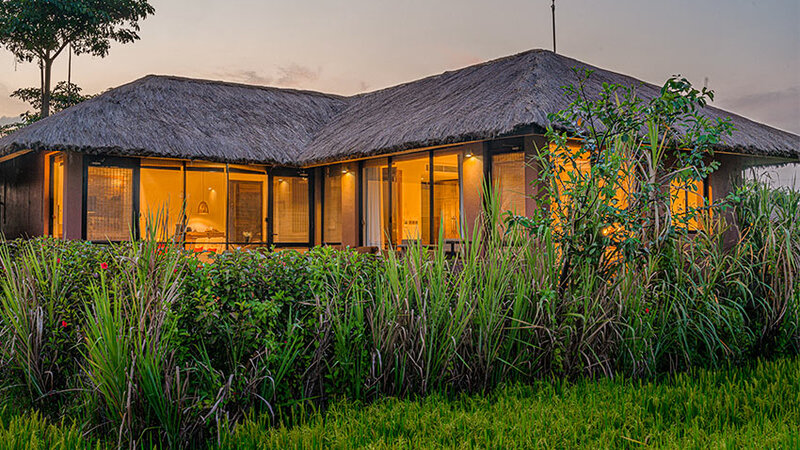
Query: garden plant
x=145 y=343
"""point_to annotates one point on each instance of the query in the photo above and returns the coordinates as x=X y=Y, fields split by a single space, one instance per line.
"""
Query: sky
x=747 y=51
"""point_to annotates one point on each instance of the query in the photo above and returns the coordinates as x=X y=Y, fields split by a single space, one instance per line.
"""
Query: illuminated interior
x=446 y=196
x=109 y=203
x=161 y=199
x=332 y=205
x=403 y=208
x=57 y=196
x=246 y=206
x=376 y=202
x=508 y=178
x=571 y=168
x=206 y=207
x=686 y=198
x=411 y=200
x=291 y=216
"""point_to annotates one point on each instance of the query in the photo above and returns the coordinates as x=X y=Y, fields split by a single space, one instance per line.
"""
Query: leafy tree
x=606 y=172
x=62 y=96
x=40 y=30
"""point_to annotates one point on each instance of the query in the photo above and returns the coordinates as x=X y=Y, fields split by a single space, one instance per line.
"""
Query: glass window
x=375 y=182
x=291 y=215
x=508 y=178
x=572 y=168
x=57 y=196
x=411 y=200
x=206 y=207
x=246 y=205
x=332 y=205
x=161 y=199
x=109 y=203
x=446 y=196
x=686 y=198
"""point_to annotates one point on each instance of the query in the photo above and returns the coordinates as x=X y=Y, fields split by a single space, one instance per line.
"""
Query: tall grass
x=32 y=288
x=129 y=354
x=174 y=352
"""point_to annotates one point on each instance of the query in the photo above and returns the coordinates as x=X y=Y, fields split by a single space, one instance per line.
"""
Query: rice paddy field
x=752 y=407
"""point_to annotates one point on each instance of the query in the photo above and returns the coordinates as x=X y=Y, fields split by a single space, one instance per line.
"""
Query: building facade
x=218 y=165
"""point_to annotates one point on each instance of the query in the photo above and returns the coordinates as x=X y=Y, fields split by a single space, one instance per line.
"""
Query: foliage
x=610 y=155
x=734 y=407
x=62 y=96
x=154 y=344
x=751 y=406
x=41 y=30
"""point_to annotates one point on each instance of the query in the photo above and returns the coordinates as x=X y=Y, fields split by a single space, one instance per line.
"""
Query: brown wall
x=318 y=183
x=351 y=225
x=73 y=196
x=22 y=188
x=472 y=182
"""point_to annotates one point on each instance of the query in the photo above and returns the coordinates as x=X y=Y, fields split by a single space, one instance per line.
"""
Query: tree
x=63 y=96
x=607 y=171
x=41 y=30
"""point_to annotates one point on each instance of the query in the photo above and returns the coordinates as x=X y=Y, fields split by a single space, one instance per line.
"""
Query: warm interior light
x=469 y=155
x=344 y=170
x=202 y=208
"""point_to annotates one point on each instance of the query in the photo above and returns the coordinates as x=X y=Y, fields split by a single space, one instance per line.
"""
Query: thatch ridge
x=489 y=100
x=175 y=117
x=170 y=116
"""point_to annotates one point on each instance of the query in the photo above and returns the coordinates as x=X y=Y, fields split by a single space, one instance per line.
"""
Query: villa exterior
x=237 y=165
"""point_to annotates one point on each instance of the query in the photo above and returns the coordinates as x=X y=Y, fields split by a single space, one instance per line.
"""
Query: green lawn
x=754 y=407
x=757 y=407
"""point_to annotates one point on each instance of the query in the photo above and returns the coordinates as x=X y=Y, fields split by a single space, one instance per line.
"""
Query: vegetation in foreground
x=151 y=344
x=753 y=407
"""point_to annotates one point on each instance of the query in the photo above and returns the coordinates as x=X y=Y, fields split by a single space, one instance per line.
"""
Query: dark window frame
x=118 y=162
x=390 y=194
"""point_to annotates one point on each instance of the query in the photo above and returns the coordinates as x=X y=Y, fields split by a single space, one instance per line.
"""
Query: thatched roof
x=490 y=100
x=209 y=120
x=184 y=118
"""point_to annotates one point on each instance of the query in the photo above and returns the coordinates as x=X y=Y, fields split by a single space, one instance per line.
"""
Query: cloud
x=297 y=75
x=780 y=108
x=249 y=77
x=5 y=120
x=291 y=75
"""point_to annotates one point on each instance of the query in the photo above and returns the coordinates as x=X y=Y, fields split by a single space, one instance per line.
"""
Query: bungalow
x=238 y=165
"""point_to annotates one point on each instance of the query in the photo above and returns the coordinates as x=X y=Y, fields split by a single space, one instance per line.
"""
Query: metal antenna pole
x=69 y=66
x=553 y=8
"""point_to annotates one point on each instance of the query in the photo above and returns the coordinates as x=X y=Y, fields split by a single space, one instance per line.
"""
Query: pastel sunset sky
x=747 y=51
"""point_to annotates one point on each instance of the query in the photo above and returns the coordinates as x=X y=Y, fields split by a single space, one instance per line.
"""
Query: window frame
x=117 y=162
x=429 y=156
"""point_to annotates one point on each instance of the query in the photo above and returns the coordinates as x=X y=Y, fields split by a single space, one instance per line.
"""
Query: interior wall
x=473 y=176
x=350 y=221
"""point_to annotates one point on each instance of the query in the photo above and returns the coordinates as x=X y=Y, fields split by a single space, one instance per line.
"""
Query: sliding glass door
x=291 y=212
x=111 y=187
x=376 y=201
x=412 y=199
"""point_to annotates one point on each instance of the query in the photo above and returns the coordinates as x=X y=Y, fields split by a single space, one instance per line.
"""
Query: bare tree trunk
x=47 y=67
